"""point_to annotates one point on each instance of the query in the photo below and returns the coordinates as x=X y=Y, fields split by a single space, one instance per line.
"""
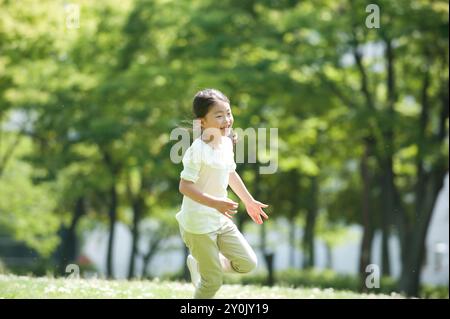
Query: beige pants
x=207 y=250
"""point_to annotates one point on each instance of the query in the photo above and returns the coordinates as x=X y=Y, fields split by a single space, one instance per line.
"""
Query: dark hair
x=205 y=99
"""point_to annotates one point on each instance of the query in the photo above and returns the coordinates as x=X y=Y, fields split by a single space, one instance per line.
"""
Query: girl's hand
x=226 y=206
x=254 y=210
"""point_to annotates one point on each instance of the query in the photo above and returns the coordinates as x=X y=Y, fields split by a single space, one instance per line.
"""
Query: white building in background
x=167 y=260
x=437 y=266
x=345 y=258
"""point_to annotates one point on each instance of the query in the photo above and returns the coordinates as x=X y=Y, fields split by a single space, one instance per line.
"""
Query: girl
x=214 y=242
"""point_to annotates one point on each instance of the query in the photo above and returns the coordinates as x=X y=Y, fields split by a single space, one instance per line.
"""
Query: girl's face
x=219 y=118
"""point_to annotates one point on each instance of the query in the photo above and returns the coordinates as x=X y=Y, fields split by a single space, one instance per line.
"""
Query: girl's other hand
x=226 y=206
x=254 y=210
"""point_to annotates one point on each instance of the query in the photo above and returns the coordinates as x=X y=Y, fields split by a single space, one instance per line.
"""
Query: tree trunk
x=429 y=185
x=388 y=199
x=387 y=211
x=415 y=246
x=292 y=228
x=295 y=200
x=366 y=241
x=137 y=212
x=268 y=256
x=69 y=244
x=152 y=250
x=241 y=217
x=308 y=237
x=112 y=214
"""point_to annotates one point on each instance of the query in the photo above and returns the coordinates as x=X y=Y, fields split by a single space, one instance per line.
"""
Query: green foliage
x=434 y=292
x=27 y=211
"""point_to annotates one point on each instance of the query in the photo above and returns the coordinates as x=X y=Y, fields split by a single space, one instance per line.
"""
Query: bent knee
x=251 y=264
x=246 y=265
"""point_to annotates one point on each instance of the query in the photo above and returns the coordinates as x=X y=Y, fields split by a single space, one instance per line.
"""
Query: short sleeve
x=191 y=165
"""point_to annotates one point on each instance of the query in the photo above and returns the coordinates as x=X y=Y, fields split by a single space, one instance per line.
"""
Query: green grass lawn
x=12 y=286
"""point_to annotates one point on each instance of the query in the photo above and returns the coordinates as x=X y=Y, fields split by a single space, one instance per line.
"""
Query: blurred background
x=90 y=91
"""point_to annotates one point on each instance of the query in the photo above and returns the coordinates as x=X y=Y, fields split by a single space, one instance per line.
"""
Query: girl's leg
x=204 y=249
x=240 y=256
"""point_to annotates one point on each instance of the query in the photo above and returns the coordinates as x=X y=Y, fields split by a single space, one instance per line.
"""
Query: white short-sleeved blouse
x=208 y=168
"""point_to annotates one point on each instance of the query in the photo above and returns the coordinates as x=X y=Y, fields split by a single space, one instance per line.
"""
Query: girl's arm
x=225 y=206
x=253 y=207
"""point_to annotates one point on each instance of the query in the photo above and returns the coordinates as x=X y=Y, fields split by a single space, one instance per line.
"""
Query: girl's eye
x=218 y=117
